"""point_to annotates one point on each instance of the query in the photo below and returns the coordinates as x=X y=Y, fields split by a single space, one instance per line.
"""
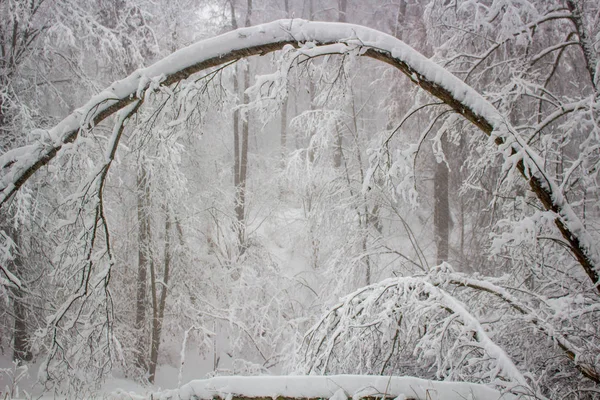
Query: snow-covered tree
x=257 y=261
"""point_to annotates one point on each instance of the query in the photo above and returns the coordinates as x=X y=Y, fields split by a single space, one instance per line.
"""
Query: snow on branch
x=19 y=164
x=547 y=317
x=378 y=323
x=338 y=387
x=92 y=274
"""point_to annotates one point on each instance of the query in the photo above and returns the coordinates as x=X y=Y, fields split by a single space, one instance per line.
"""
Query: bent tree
x=19 y=164
x=310 y=39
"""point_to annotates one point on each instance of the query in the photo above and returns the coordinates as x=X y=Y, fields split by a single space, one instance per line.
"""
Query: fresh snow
x=327 y=387
x=324 y=38
x=340 y=38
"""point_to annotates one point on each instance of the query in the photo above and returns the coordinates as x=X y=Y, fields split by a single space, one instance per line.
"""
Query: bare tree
x=240 y=139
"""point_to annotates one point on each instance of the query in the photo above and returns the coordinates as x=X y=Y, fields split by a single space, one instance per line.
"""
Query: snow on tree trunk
x=19 y=164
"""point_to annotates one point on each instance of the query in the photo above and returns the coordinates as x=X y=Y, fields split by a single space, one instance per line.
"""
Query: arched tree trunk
x=19 y=164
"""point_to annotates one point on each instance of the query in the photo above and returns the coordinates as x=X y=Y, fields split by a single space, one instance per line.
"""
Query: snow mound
x=328 y=387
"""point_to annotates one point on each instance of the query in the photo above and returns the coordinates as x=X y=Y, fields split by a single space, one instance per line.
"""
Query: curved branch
x=19 y=164
x=570 y=350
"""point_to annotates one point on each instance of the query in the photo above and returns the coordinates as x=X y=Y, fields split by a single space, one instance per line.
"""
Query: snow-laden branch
x=338 y=387
x=91 y=198
x=19 y=164
x=442 y=329
x=583 y=361
x=11 y=280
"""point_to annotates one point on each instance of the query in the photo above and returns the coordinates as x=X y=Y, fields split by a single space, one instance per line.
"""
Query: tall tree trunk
x=311 y=89
x=239 y=209
x=144 y=261
x=284 y=106
x=586 y=43
x=337 y=152
x=158 y=306
x=21 y=351
x=311 y=149
x=3 y=121
x=283 y=144
x=240 y=146
x=20 y=331
x=441 y=214
x=241 y=190
x=154 y=334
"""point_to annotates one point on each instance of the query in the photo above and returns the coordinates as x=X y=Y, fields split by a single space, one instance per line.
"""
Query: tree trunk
x=311 y=90
x=441 y=214
x=20 y=332
x=239 y=209
x=21 y=350
x=241 y=190
x=284 y=106
x=337 y=151
x=240 y=146
x=417 y=67
x=586 y=44
x=155 y=333
x=159 y=306
x=144 y=260
x=283 y=143
x=311 y=149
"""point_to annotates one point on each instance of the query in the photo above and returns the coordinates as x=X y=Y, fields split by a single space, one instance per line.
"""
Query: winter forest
x=294 y=199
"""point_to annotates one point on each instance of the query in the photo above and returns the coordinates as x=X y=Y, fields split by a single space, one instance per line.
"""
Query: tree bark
x=587 y=45
x=144 y=262
x=284 y=106
x=239 y=210
x=241 y=190
x=311 y=150
x=159 y=306
x=441 y=213
x=284 y=127
x=21 y=351
x=240 y=146
x=337 y=151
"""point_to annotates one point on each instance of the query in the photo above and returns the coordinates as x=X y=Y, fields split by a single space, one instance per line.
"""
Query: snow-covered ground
x=334 y=387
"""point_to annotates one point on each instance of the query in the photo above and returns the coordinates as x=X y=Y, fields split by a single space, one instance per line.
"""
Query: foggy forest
x=300 y=199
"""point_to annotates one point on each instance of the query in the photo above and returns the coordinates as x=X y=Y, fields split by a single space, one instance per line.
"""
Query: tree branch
x=19 y=164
